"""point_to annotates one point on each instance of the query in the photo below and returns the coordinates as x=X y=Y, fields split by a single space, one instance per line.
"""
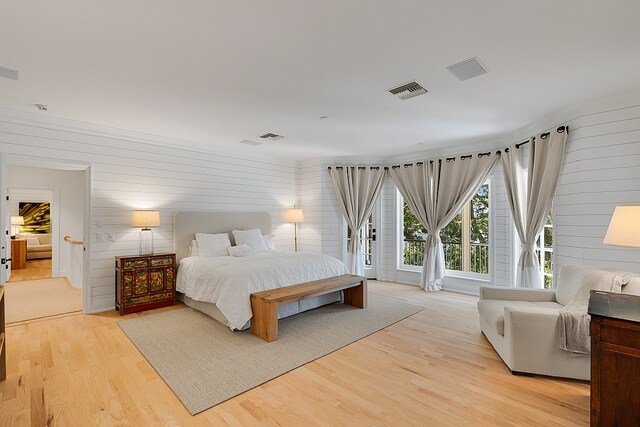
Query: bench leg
x=357 y=296
x=264 y=323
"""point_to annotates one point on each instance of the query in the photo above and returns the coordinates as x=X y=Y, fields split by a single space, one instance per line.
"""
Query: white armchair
x=522 y=325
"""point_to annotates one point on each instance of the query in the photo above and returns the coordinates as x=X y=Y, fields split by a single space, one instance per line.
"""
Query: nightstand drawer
x=148 y=299
x=162 y=261
x=130 y=264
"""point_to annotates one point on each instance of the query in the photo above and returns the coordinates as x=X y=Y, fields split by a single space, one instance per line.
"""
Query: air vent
x=8 y=73
x=271 y=136
x=249 y=142
x=468 y=69
x=408 y=90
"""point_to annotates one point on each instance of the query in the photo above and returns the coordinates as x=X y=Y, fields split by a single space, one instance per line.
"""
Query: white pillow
x=252 y=238
x=269 y=240
x=32 y=241
x=239 y=250
x=193 y=248
x=212 y=245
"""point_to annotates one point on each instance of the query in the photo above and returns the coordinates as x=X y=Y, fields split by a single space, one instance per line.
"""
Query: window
x=545 y=254
x=544 y=251
x=465 y=239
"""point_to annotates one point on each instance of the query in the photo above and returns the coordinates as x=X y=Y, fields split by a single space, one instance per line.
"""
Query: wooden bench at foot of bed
x=264 y=305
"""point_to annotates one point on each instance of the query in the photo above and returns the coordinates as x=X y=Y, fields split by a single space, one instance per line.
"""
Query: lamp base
x=146 y=242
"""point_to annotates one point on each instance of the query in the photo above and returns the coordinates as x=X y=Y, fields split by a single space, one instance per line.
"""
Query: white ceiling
x=217 y=72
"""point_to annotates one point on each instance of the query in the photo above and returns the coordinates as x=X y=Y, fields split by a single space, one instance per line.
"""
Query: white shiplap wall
x=601 y=170
x=387 y=237
x=502 y=231
x=132 y=173
x=323 y=229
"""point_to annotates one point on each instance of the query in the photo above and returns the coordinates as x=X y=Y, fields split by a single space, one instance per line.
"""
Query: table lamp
x=145 y=219
x=624 y=228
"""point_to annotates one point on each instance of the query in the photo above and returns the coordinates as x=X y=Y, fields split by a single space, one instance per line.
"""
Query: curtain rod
x=353 y=167
x=543 y=136
x=560 y=129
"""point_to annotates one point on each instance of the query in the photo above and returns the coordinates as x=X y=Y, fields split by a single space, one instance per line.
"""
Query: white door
x=5 y=239
x=368 y=236
x=368 y=239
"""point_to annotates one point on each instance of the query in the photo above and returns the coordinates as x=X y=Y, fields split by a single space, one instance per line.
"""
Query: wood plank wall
x=130 y=174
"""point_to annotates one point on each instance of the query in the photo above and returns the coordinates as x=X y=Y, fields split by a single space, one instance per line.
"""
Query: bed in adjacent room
x=218 y=281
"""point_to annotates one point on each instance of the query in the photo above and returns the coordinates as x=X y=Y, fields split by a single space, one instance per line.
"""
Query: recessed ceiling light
x=467 y=69
x=8 y=73
x=42 y=107
x=324 y=117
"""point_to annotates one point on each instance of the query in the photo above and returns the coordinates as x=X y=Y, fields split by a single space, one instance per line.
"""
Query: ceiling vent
x=468 y=69
x=249 y=142
x=408 y=90
x=271 y=136
x=8 y=73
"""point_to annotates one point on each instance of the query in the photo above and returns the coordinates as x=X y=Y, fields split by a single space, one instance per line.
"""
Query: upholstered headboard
x=187 y=223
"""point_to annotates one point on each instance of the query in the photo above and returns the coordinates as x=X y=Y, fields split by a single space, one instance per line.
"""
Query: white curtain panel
x=435 y=191
x=357 y=189
x=530 y=197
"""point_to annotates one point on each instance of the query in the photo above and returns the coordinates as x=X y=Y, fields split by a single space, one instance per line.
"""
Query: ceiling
x=217 y=72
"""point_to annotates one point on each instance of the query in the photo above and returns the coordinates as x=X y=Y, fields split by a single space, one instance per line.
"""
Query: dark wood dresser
x=615 y=359
x=145 y=281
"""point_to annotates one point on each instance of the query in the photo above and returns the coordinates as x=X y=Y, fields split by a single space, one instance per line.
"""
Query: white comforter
x=229 y=281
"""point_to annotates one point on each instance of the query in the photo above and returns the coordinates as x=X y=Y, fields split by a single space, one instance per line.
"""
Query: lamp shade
x=294 y=215
x=145 y=219
x=17 y=220
x=624 y=228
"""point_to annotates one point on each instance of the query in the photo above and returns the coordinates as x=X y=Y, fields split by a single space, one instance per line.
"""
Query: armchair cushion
x=493 y=311
x=517 y=294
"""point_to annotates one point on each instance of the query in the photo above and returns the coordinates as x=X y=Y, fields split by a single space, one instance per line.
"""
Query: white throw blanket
x=229 y=281
x=574 y=320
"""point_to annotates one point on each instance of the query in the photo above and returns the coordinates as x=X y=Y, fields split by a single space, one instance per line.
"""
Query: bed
x=220 y=287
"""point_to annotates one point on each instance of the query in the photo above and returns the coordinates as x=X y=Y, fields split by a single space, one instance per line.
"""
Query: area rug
x=205 y=363
x=32 y=299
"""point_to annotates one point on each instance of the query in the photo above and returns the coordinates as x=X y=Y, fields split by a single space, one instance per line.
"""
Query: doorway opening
x=46 y=215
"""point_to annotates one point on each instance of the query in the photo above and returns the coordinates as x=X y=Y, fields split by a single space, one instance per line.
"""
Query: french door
x=5 y=244
x=368 y=242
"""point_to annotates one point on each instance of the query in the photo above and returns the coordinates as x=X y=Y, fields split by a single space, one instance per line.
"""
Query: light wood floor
x=35 y=269
x=434 y=368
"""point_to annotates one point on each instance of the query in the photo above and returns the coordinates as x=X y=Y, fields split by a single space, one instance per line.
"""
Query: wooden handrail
x=70 y=240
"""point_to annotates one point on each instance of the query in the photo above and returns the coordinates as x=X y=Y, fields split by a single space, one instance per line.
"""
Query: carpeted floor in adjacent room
x=32 y=299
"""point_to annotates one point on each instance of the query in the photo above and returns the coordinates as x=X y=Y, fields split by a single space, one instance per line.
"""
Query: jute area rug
x=205 y=363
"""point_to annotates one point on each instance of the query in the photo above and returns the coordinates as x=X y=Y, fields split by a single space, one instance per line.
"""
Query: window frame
x=483 y=277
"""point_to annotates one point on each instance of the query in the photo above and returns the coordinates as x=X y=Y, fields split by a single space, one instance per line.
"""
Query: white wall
x=323 y=230
x=602 y=170
x=137 y=171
